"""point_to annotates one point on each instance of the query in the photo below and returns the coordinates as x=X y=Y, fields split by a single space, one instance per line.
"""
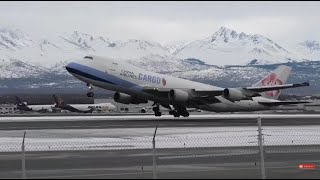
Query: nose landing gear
x=90 y=93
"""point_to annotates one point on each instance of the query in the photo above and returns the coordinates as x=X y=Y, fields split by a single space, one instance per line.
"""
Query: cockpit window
x=88 y=57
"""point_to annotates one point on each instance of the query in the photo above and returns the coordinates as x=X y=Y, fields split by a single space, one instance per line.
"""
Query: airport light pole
x=262 y=168
x=23 y=158
x=154 y=154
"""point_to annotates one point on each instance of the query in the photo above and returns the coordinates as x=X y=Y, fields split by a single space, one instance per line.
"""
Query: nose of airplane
x=77 y=65
x=72 y=67
x=69 y=67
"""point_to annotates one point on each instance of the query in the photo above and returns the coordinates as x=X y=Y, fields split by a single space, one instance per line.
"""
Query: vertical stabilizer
x=18 y=101
x=22 y=105
x=277 y=77
x=58 y=100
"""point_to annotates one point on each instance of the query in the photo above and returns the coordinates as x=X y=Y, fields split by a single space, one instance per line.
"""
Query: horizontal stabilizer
x=279 y=103
x=276 y=87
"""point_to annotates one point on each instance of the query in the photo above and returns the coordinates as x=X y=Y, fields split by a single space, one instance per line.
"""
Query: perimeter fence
x=255 y=152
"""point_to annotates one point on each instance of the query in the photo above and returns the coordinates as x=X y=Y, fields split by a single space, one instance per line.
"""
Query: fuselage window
x=88 y=57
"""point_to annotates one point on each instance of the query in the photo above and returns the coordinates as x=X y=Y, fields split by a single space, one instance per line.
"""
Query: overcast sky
x=284 y=22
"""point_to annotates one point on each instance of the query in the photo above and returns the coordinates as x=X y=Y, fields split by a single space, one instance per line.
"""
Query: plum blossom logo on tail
x=164 y=81
x=271 y=80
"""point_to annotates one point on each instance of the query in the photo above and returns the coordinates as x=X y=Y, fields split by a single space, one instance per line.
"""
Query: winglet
x=307 y=83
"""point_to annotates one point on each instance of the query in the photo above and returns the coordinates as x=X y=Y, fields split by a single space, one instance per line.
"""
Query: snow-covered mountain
x=42 y=60
x=103 y=46
x=13 y=39
x=133 y=49
x=224 y=47
x=311 y=46
x=87 y=42
x=308 y=50
x=228 y=47
x=175 y=46
x=59 y=68
x=13 y=68
x=14 y=44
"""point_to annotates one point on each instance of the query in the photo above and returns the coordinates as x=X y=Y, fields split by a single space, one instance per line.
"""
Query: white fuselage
x=126 y=78
x=49 y=108
x=103 y=107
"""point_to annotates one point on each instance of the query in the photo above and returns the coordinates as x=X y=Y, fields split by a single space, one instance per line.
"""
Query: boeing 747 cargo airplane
x=133 y=85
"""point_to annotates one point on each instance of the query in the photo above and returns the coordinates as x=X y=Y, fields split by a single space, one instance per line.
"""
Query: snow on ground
x=141 y=138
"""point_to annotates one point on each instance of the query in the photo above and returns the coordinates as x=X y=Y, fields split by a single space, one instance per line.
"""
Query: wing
x=203 y=96
x=194 y=92
x=279 y=103
x=200 y=93
x=199 y=96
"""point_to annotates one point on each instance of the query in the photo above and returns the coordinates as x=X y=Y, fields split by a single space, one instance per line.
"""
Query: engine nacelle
x=127 y=99
x=234 y=94
x=178 y=95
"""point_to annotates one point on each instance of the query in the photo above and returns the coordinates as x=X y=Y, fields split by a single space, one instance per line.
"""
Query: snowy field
x=141 y=138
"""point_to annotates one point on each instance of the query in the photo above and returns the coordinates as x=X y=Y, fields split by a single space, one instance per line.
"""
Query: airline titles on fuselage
x=143 y=77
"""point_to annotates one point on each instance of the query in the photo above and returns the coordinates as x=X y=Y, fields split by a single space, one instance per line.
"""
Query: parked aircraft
x=83 y=108
x=23 y=106
x=133 y=85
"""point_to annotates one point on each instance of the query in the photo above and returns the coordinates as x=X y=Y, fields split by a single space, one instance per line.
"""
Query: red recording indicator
x=307 y=166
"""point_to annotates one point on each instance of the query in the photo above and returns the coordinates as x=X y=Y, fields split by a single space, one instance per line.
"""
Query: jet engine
x=178 y=95
x=233 y=94
x=127 y=99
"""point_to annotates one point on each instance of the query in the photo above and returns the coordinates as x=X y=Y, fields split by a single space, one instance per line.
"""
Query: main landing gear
x=179 y=111
x=156 y=110
x=90 y=93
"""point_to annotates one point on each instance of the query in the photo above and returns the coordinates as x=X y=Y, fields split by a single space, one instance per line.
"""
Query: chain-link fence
x=225 y=152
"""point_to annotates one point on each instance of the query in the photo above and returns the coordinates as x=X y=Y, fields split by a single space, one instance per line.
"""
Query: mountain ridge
x=27 y=60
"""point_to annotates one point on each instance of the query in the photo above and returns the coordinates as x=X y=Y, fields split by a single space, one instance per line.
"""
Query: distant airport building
x=7 y=108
